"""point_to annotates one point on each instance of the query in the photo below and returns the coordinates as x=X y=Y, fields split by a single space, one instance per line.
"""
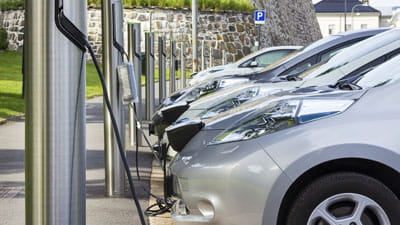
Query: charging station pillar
x=114 y=172
x=162 y=69
x=183 y=65
x=150 y=92
x=202 y=56
x=172 y=68
x=223 y=57
x=195 y=34
x=134 y=57
x=211 y=57
x=55 y=151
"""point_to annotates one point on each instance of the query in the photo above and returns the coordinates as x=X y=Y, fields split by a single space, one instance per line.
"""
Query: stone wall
x=232 y=32
x=288 y=23
x=13 y=22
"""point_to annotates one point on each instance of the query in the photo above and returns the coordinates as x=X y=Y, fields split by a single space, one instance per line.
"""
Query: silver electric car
x=325 y=159
x=249 y=64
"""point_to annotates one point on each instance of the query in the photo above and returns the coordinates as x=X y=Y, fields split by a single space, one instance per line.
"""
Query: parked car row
x=311 y=139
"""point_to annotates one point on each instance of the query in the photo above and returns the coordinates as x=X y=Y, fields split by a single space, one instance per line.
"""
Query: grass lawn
x=11 y=102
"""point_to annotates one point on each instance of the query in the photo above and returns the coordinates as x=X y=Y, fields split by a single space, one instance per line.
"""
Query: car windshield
x=386 y=73
x=356 y=51
x=252 y=55
x=301 y=51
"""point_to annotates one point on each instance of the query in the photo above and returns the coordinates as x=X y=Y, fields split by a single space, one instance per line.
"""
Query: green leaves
x=11 y=4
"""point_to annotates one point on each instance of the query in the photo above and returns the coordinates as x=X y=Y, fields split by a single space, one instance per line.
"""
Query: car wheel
x=345 y=199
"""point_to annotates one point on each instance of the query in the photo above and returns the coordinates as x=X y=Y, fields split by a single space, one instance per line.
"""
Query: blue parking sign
x=260 y=16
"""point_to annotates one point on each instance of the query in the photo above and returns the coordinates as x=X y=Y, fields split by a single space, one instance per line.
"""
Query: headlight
x=280 y=115
x=232 y=102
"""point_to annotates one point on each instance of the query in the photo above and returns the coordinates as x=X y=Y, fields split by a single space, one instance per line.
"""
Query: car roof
x=320 y=46
x=336 y=39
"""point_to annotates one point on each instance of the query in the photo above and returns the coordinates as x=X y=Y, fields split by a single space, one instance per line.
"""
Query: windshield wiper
x=293 y=77
x=349 y=86
x=349 y=83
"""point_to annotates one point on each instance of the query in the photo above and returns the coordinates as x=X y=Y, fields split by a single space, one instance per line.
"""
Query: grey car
x=327 y=158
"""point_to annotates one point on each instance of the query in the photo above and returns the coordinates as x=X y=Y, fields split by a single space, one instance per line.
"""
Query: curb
x=157 y=188
x=12 y=118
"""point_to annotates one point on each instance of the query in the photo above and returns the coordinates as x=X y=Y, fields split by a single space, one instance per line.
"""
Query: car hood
x=226 y=119
x=264 y=90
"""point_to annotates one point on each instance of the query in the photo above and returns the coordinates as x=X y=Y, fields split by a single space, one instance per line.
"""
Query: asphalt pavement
x=100 y=210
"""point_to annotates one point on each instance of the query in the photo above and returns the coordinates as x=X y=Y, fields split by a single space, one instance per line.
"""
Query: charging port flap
x=127 y=82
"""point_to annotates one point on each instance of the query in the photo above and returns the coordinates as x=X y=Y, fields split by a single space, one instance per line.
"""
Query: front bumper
x=223 y=184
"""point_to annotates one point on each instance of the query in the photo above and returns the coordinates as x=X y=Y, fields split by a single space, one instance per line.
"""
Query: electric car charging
x=114 y=129
x=285 y=159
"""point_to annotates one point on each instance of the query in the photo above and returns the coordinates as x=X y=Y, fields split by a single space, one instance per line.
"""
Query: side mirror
x=193 y=74
x=254 y=64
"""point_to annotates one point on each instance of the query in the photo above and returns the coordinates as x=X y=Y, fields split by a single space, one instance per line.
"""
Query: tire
x=335 y=193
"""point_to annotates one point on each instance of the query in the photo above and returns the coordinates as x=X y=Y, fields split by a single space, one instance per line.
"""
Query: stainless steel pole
x=183 y=65
x=172 y=69
x=55 y=117
x=131 y=55
x=150 y=93
x=211 y=56
x=223 y=57
x=162 y=69
x=114 y=173
x=195 y=16
x=202 y=56
x=134 y=53
x=345 y=15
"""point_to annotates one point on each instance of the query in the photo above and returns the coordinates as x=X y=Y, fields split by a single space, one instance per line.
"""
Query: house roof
x=338 y=6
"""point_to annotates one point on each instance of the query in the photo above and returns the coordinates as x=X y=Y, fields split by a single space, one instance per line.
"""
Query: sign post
x=259 y=19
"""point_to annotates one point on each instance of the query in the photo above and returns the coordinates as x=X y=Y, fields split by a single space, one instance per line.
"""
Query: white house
x=333 y=19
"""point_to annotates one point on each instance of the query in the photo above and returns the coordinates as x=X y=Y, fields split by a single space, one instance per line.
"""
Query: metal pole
x=211 y=56
x=195 y=59
x=150 y=21
x=131 y=55
x=183 y=65
x=162 y=68
x=223 y=57
x=150 y=93
x=172 y=69
x=345 y=15
x=135 y=56
x=55 y=160
x=202 y=56
x=114 y=173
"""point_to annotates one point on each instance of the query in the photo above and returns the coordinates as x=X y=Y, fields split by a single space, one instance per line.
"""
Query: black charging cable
x=70 y=31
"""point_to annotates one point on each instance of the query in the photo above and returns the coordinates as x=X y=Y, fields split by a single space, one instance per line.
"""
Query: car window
x=365 y=68
x=310 y=47
x=300 y=67
x=271 y=57
x=330 y=53
x=356 y=51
